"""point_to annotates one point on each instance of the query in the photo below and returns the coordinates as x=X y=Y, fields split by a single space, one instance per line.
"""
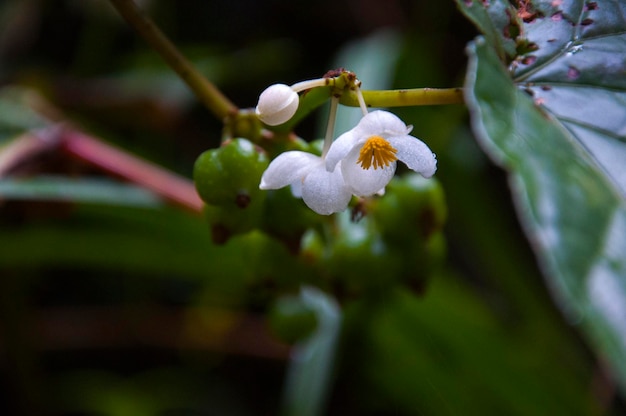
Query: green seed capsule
x=226 y=222
x=360 y=260
x=413 y=208
x=410 y=218
x=286 y=216
x=229 y=176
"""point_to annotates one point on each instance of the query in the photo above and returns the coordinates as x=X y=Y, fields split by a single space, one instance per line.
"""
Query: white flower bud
x=277 y=104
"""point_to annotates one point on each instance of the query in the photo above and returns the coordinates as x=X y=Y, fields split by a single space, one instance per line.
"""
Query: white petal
x=365 y=182
x=325 y=192
x=381 y=123
x=415 y=154
x=288 y=168
x=296 y=189
x=339 y=149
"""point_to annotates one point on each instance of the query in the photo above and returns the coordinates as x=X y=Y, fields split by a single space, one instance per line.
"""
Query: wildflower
x=360 y=162
x=323 y=191
x=367 y=154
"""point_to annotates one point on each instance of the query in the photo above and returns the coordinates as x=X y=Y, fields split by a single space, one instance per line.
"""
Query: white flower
x=277 y=104
x=367 y=154
x=323 y=191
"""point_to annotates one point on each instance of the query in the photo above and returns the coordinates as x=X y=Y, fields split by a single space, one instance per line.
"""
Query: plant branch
x=206 y=92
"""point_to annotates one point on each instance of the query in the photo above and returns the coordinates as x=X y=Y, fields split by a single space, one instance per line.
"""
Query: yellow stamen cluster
x=377 y=152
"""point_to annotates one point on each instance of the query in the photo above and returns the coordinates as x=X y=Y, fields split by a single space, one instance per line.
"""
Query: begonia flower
x=367 y=154
x=321 y=190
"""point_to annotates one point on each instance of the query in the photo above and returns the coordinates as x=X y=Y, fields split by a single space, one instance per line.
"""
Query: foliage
x=564 y=164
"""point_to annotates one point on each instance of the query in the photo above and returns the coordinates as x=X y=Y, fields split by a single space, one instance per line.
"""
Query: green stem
x=405 y=98
x=206 y=92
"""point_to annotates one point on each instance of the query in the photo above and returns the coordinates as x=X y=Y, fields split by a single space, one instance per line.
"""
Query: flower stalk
x=403 y=97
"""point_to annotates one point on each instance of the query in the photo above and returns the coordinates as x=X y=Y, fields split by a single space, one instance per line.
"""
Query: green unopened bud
x=226 y=222
x=360 y=260
x=229 y=176
x=413 y=208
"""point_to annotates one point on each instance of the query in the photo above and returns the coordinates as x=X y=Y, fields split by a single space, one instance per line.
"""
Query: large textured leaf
x=578 y=73
x=565 y=149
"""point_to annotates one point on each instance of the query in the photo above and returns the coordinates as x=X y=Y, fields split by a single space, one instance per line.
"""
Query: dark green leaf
x=572 y=60
x=448 y=354
x=158 y=242
x=497 y=20
x=566 y=164
x=578 y=74
x=569 y=208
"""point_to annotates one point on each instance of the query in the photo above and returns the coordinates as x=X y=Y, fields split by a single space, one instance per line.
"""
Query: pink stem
x=117 y=162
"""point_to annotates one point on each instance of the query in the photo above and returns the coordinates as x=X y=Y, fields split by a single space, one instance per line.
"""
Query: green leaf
x=149 y=241
x=59 y=188
x=449 y=354
x=146 y=242
x=312 y=360
x=565 y=150
x=577 y=74
x=494 y=19
x=569 y=208
x=572 y=61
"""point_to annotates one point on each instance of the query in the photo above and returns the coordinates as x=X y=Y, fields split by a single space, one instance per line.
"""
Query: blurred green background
x=123 y=305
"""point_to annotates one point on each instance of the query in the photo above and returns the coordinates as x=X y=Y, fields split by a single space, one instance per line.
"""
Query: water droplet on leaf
x=574 y=48
x=573 y=73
